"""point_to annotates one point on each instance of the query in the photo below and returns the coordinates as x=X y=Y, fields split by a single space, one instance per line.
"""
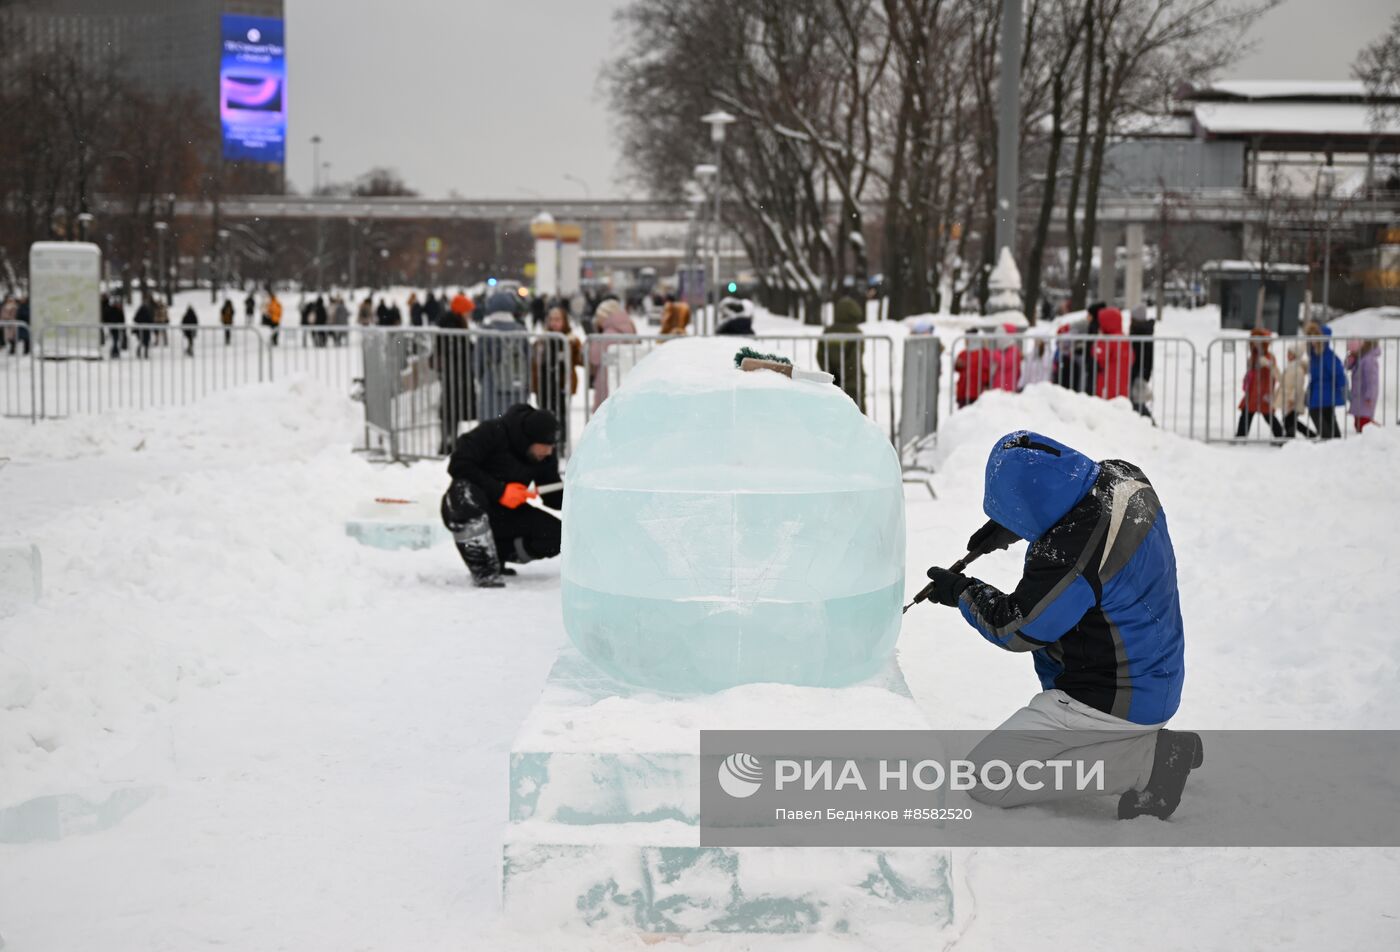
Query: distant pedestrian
x=972 y=370
x=1293 y=392
x=432 y=310
x=675 y=316
x=9 y=315
x=190 y=323
x=1007 y=375
x=1140 y=388
x=226 y=314
x=501 y=363
x=462 y=306
x=1113 y=359
x=610 y=318
x=250 y=308
x=114 y=320
x=145 y=317
x=21 y=332
x=1365 y=366
x=340 y=318
x=162 y=312
x=1327 y=382
x=554 y=368
x=321 y=318
x=272 y=315
x=845 y=359
x=452 y=359
x=415 y=311
x=364 y=314
x=1260 y=385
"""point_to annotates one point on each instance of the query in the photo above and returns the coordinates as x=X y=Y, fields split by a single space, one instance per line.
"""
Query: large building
x=169 y=47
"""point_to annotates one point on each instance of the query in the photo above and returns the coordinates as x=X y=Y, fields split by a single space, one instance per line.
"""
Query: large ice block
x=726 y=527
x=604 y=825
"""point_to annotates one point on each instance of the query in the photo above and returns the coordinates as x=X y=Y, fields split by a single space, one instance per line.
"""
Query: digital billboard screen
x=253 y=89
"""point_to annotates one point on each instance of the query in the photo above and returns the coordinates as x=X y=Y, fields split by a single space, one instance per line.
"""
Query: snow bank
x=1282 y=560
x=327 y=725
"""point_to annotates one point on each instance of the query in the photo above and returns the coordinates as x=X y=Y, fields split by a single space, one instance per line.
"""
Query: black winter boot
x=464 y=517
x=1178 y=753
x=478 y=550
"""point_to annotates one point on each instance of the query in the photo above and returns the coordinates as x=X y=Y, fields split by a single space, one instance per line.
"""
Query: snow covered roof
x=1292 y=118
x=1282 y=89
x=1294 y=110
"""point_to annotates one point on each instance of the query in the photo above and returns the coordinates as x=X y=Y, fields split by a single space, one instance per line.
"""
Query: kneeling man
x=486 y=507
x=1097 y=608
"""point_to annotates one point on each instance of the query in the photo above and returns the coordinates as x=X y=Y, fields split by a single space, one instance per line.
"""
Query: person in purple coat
x=1365 y=366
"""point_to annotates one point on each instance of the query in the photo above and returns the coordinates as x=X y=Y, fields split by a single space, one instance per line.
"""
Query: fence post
x=922 y=369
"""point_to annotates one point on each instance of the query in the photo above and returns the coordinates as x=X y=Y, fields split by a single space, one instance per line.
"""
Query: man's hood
x=1032 y=481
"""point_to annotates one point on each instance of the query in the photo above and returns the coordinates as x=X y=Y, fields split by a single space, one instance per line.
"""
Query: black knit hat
x=540 y=426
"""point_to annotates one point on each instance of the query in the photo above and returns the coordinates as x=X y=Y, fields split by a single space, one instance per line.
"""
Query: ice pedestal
x=397 y=524
x=604 y=816
x=726 y=527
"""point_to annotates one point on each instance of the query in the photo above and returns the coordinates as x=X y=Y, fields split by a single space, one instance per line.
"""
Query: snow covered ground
x=317 y=731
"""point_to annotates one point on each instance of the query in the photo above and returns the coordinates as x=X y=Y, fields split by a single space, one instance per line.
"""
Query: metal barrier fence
x=19 y=395
x=332 y=354
x=863 y=365
x=421 y=385
x=87 y=368
x=1273 y=389
x=1157 y=374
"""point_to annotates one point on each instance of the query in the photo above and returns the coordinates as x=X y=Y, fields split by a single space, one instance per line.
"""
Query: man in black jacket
x=486 y=507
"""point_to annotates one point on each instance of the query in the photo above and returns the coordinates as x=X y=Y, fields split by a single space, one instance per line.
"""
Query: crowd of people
x=14 y=324
x=1301 y=396
x=1102 y=367
x=1314 y=379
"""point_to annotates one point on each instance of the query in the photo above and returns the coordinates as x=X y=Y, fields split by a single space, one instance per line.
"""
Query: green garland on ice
x=750 y=352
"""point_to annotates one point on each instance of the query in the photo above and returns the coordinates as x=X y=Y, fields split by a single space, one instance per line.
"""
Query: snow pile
x=1369 y=322
x=1283 y=557
x=326 y=725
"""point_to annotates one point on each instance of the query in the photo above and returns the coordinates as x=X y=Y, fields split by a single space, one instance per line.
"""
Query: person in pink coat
x=610 y=318
x=1365 y=366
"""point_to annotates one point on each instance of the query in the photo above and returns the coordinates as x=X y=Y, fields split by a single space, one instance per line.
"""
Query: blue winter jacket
x=1097 y=603
x=1327 y=378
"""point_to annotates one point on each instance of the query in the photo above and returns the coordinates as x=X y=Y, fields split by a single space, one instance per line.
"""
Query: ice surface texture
x=725 y=527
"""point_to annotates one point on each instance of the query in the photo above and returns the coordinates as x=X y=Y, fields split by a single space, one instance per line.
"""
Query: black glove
x=945 y=586
x=991 y=537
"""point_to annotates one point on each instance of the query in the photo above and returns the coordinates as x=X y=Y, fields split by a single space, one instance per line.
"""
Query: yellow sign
x=530 y=269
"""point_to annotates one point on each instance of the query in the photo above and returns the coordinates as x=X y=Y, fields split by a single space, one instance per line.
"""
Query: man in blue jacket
x=1097 y=608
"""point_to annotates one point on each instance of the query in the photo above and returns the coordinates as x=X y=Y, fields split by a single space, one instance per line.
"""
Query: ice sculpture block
x=725 y=527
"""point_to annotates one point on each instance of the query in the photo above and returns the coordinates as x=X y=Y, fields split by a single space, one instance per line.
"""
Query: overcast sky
x=500 y=99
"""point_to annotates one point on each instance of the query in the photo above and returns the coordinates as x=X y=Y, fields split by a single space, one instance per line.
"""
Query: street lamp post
x=704 y=174
x=316 y=165
x=161 y=283
x=1328 y=172
x=221 y=258
x=717 y=121
x=85 y=220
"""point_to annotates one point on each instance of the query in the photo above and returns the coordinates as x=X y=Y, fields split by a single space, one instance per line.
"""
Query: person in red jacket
x=1114 y=359
x=974 y=372
x=1261 y=379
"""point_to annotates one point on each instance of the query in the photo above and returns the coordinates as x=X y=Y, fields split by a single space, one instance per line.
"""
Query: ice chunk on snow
x=725 y=527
